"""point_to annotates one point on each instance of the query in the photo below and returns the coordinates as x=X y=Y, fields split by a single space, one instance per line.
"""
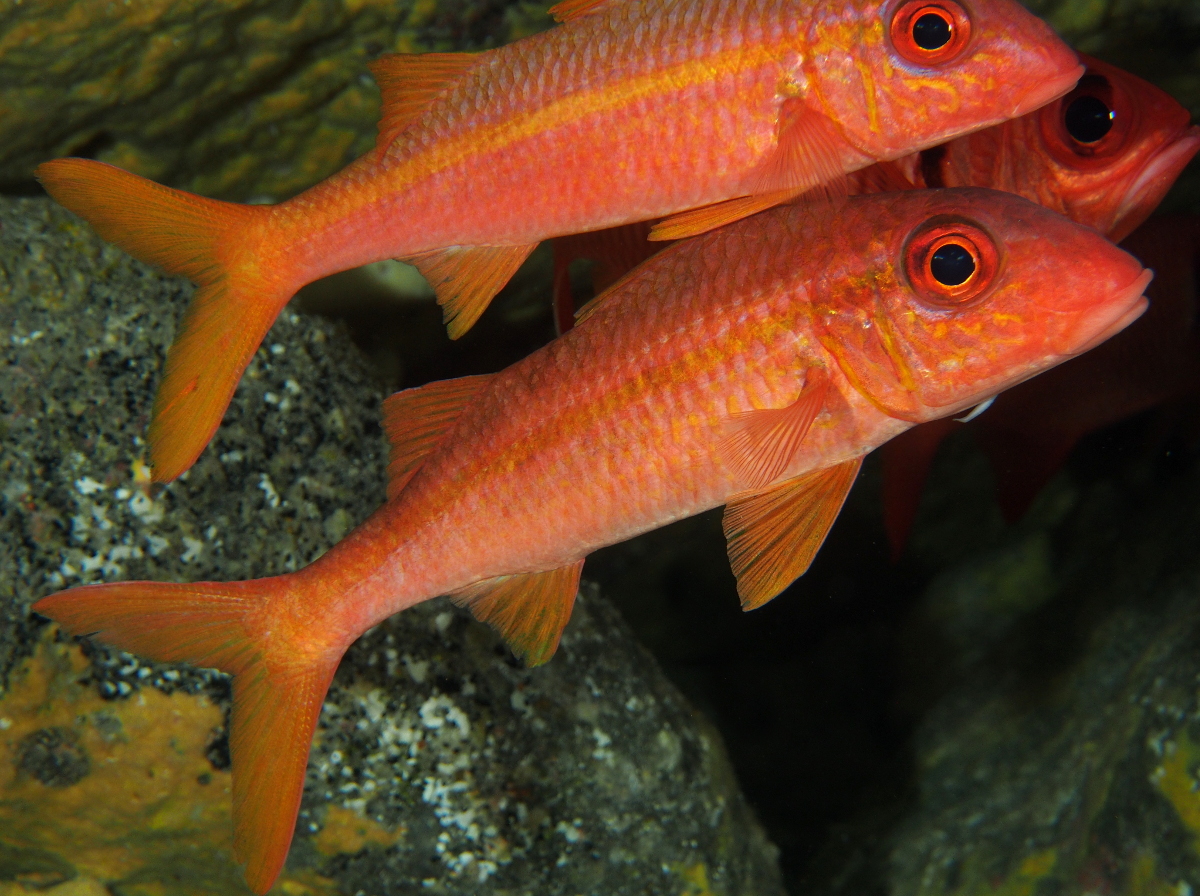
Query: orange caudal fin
x=278 y=685
x=240 y=290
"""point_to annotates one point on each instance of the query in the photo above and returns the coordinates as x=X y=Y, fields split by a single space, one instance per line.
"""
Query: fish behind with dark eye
x=1103 y=155
x=753 y=366
x=706 y=110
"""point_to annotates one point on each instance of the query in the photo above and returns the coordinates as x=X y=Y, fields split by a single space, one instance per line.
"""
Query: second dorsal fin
x=529 y=610
x=408 y=83
x=566 y=10
x=415 y=421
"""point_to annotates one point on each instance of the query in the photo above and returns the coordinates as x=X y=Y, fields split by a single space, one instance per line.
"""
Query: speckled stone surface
x=235 y=99
x=439 y=762
x=1054 y=668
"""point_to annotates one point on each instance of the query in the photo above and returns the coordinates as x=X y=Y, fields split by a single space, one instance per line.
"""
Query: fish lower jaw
x=1113 y=316
x=1153 y=181
x=1046 y=92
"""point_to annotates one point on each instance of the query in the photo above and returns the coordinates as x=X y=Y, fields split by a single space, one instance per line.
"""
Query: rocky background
x=1008 y=710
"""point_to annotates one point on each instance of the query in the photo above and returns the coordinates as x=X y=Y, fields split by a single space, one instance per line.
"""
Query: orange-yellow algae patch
x=1177 y=783
x=345 y=831
x=139 y=807
x=147 y=782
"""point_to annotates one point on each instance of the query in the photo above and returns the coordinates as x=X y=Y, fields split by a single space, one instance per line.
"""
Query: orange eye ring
x=950 y=262
x=930 y=32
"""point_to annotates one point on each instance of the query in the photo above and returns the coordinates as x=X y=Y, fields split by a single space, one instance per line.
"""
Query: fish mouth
x=1153 y=181
x=1115 y=315
x=1047 y=91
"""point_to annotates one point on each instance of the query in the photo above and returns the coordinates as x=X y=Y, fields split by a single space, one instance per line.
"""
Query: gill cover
x=904 y=333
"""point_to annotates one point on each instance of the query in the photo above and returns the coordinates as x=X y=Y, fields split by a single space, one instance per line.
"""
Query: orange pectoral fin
x=709 y=217
x=773 y=535
x=467 y=278
x=529 y=611
x=760 y=444
x=808 y=153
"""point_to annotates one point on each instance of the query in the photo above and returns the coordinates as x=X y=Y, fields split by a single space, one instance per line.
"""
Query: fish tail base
x=278 y=685
x=227 y=250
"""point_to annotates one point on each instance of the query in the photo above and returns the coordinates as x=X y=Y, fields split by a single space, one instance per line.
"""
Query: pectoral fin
x=774 y=534
x=808 y=153
x=466 y=278
x=529 y=611
x=759 y=445
x=709 y=217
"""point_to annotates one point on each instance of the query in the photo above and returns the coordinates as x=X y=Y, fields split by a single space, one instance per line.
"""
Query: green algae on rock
x=439 y=763
x=234 y=99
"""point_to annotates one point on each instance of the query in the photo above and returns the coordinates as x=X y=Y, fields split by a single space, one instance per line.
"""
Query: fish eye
x=1088 y=118
x=950 y=262
x=1089 y=123
x=930 y=33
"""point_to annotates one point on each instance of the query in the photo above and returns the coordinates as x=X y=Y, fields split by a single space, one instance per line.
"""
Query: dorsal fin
x=760 y=444
x=467 y=278
x=566 y=10
x=774 y=534
x=529 y=610
x=709 y=217
x=415 y=421
x=408 y=83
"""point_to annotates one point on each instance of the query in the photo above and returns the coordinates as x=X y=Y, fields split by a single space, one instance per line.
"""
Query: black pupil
x=931 y=31
x=951 y=265
x=1088 y=118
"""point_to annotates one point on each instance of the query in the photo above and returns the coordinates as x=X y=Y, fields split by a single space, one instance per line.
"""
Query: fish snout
x=1049 y=90
x=1106 y=317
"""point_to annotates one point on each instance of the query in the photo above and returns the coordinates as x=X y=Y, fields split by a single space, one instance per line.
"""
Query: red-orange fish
x=1029 y=431
x=1104 y=155
x=753 y=366
x=627 y=111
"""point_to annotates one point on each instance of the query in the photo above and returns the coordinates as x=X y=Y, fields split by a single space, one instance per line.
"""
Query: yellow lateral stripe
x=609 y=98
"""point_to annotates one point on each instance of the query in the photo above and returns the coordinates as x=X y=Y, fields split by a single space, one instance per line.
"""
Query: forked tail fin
x=219 y=246
x=279 y=683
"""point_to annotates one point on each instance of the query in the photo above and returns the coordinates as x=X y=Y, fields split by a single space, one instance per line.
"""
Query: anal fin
x=416 y=420
x=774 y=534
x=529 y=610
x=408 y=83
x=466 y=278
